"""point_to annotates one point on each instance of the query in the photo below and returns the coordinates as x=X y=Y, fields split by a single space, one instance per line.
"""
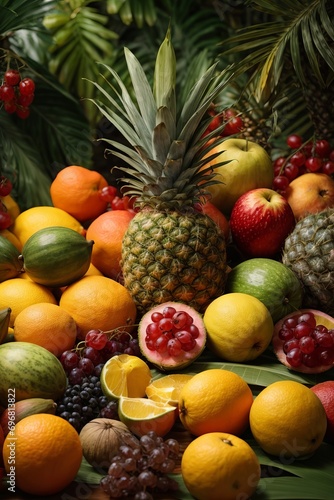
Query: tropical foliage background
x=281 y=56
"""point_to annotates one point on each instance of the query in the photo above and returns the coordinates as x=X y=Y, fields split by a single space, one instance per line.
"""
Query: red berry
x=12 y=77
x=10 y=107
x=281 y=182
x=322 y=148
x=328 y=167
x=23 y=112
x=229 y=113
x=313 y=164
x=233 y=126
x=7 y=93
x=5 y=220
x=331 y=155
x=5 y=186
x=294 y=141
x=108 y=193
x=25 y=100
x=291 y=171
x=298 y=159
x=308 y=149
x=215 y=123
x=27 y=86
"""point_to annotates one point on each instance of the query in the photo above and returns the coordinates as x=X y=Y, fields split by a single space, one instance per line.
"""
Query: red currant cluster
x=233 y=123
x=17 y=94
x=5 y=189
x=311 y=156
x=116 y=202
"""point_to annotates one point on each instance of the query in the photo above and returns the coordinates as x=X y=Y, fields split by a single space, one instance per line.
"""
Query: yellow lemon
x=288 y=420
x=18 y=293
x=125 y=375
x=167 y=389
x=31 y=220
x=239 y=327
x=220 y=466
x=142 y=415
x=215 y=400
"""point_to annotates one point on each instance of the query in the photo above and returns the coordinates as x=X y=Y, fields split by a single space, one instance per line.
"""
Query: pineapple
x=171 y=250
x=309 y=252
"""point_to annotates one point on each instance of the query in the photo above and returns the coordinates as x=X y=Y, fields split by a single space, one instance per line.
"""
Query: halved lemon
x=125 y=375
x=142 y=415
x=167 y=389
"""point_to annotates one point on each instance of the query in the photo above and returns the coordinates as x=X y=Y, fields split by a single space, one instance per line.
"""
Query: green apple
x=269 y=281
x=249 y=167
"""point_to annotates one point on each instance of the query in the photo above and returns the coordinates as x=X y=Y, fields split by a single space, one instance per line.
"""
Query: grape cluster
x=82 y=402
x=90 y=355
x=143 y=470
x=17 y=94
x=312 y=156
x=5 y=189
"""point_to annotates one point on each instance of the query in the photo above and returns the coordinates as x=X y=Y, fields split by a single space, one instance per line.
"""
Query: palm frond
x=302 y=34
x=23 y=165
x=20 y=14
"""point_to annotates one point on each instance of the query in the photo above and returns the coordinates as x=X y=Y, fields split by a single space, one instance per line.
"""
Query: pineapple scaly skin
x=173 y=255
x=171 y=251
x=309 y=252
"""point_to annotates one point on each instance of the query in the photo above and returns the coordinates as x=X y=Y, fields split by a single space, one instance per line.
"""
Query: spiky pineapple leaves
x=165 y=134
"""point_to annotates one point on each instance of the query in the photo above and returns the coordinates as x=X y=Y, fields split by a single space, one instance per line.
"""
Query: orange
x=98 y=302
x=12 y=238
x=77 y=191
x=218 y=217
x=47 y=453
x=47 y=325
x=215 y=400
x=288 y=420
x=125 y=375
x=107 y=232
x=167 y=389
x=220 y=466
x=18 y=293
x=142 y=415
x=31 y=220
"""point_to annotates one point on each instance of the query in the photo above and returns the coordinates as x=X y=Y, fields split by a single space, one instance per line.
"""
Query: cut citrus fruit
x=125 y=375
x=167 y=389
x=142 y=415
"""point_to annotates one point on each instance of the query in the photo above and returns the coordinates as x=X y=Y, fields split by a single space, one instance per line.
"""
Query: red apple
x=260 y=221
x=310 y=193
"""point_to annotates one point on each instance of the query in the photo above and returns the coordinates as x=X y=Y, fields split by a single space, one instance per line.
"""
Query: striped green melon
x=56 y=256
x=10 y=265
x=29 y=371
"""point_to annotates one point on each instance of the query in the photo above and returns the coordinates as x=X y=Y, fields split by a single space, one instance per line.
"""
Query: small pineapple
x=309 y=252
x=171 y=251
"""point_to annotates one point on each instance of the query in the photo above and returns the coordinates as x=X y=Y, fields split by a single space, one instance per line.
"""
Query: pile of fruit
x=172 y=335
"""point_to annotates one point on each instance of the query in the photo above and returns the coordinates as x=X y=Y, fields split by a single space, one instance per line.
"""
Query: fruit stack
x=183 y=317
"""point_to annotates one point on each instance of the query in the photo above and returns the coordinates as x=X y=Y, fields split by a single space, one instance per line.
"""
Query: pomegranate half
x=171 y=335
x=304 y=341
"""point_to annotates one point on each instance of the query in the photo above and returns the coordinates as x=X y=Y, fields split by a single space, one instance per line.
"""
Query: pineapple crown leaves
x=165 y=149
